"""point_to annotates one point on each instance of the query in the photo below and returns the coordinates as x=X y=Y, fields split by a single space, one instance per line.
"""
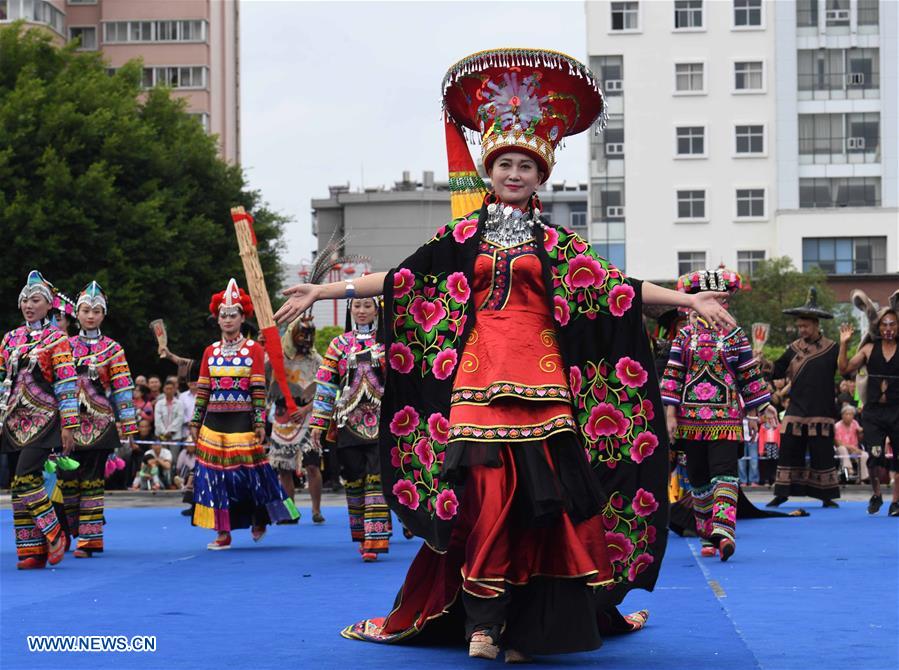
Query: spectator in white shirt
x=169 y=415
x=188 y=400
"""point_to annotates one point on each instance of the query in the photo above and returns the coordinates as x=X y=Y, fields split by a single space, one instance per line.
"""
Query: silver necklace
x=508 y=226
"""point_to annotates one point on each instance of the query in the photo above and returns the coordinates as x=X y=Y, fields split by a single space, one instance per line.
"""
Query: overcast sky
x=349 y=92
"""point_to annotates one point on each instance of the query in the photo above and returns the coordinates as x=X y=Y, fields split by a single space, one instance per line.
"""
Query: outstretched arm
x=707 y=304
x=302 y=296
x=849 y=365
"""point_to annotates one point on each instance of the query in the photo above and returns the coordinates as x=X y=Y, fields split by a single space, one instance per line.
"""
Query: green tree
x=778 y=285
x=102 y=180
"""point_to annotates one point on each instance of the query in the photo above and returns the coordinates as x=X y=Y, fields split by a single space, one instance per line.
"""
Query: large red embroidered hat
x=521 y=100
x=232 y=296
x=719 y=279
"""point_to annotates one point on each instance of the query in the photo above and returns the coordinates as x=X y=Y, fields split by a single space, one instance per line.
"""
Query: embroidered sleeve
x=64 y=380
x=326 y=385
x=122 y=387
x=203 y=389
x=3 y=348
x=257 y=386
x=750 y=381
x=673 y=378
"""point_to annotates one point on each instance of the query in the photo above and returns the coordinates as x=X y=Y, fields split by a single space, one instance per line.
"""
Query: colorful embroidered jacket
x=430 y=315
x=709 y=373
x=37 y=373
x=353 y=368
x=231 y=383
x=104 y=391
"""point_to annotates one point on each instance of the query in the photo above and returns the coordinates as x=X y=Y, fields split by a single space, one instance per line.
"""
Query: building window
x=690 y=140
x=613 y=139
x=845 y=255
x=87 y=36
x=841 y=73
x=749 y=261
x=689 y=77
x=749 y=76
x=837 y=13
x=691 y=204
x=750 y=139
x=827 y=192
x=154 y=31
x=577 y=217
x=610 y=72
x=747 y=13
x=203 y=118
x=624 y=15
x=690 y=261
x=839 y=138
x=36 y=11
x=81 y=2
x=687 y=14
x=608 y=200
x=750 y=203
x=807 y=13
x=868 y=12
x=193 y=76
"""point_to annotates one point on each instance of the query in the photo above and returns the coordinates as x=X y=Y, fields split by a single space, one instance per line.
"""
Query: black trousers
x=817 y=479
x=707 y=459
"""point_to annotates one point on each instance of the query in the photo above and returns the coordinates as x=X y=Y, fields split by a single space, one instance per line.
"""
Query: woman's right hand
x=194 y=432
x=316 y=437
x=671 y=424
x=299 y=298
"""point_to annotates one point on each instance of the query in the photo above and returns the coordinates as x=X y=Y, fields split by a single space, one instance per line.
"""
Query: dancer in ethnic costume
x=518 y=360
x=353 y=368
x=105 y=397
x=810 y=366
x=880 y=414
x=290 y=441
x=234 y=486
x=711 y=379
x=38 y=412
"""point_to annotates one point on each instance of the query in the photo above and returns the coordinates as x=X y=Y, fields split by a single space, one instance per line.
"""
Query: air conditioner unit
x=837 y=15
x=613 y=212
x=855 y=143
x=855 y=78
x=615 y=149
x=613 y=85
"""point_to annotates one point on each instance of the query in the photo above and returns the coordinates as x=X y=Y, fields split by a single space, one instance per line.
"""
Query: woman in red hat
x=522 y=434
x=234 y=485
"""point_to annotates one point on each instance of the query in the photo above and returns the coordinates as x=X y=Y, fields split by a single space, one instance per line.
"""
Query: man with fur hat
x=809 y=364
x=880 y=415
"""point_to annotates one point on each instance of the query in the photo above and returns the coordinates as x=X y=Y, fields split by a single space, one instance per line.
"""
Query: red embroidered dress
x=511 y=383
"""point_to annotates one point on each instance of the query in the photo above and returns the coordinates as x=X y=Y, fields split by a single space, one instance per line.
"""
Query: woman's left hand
x=260 y=435
x=708 y=305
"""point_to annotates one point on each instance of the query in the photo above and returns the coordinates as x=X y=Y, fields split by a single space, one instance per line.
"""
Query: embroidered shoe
x=369 y=556
x=83 y=553
x=727 y=547
x=56 y=550
x=220 y=543
x=708 y=551
x=258 y=533
x=481 y=646
x=874 y=504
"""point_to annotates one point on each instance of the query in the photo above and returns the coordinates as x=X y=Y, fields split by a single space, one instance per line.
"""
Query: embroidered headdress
x=720 y=279
x=522 y=100
x=92 y=295
x=232 y=297
x=36 y=285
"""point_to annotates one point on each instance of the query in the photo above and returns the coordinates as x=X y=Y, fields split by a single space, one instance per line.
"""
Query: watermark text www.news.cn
x=91 y=643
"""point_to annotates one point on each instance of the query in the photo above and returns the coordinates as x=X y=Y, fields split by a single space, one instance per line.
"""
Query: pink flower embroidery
x=457 y=286
x=444 y=363
x=561 y=311
x=575 y=379
x=705 y=413
x=754 y=387
x=644 y=503
x=550 y=238
x=620 y=299
x=630 y=372
x=427 y=313
x=425 y=454
x=605 y=420
x=401 y=358
x=226 y=383
x=406 y=493
x=404 y=421
x=705 y=391
x=619 y=546
x=650 y=534
x=643 y=446
x=648 y=410
x=641 y=563
x=465 y=229
x=447 y=504
x=403 y=280
x=438 y=427
x=706 y=353
x=584 y=271
x=395 y=457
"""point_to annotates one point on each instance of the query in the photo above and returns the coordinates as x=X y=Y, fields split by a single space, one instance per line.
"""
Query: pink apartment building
x=190 y=45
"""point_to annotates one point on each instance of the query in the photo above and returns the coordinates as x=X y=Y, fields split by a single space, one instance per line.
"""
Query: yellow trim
x=204 y=517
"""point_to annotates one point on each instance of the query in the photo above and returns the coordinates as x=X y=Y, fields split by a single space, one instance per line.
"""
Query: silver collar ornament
x=508 y=226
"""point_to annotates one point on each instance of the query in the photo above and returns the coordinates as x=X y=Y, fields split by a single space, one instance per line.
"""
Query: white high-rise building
x=742 y=130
